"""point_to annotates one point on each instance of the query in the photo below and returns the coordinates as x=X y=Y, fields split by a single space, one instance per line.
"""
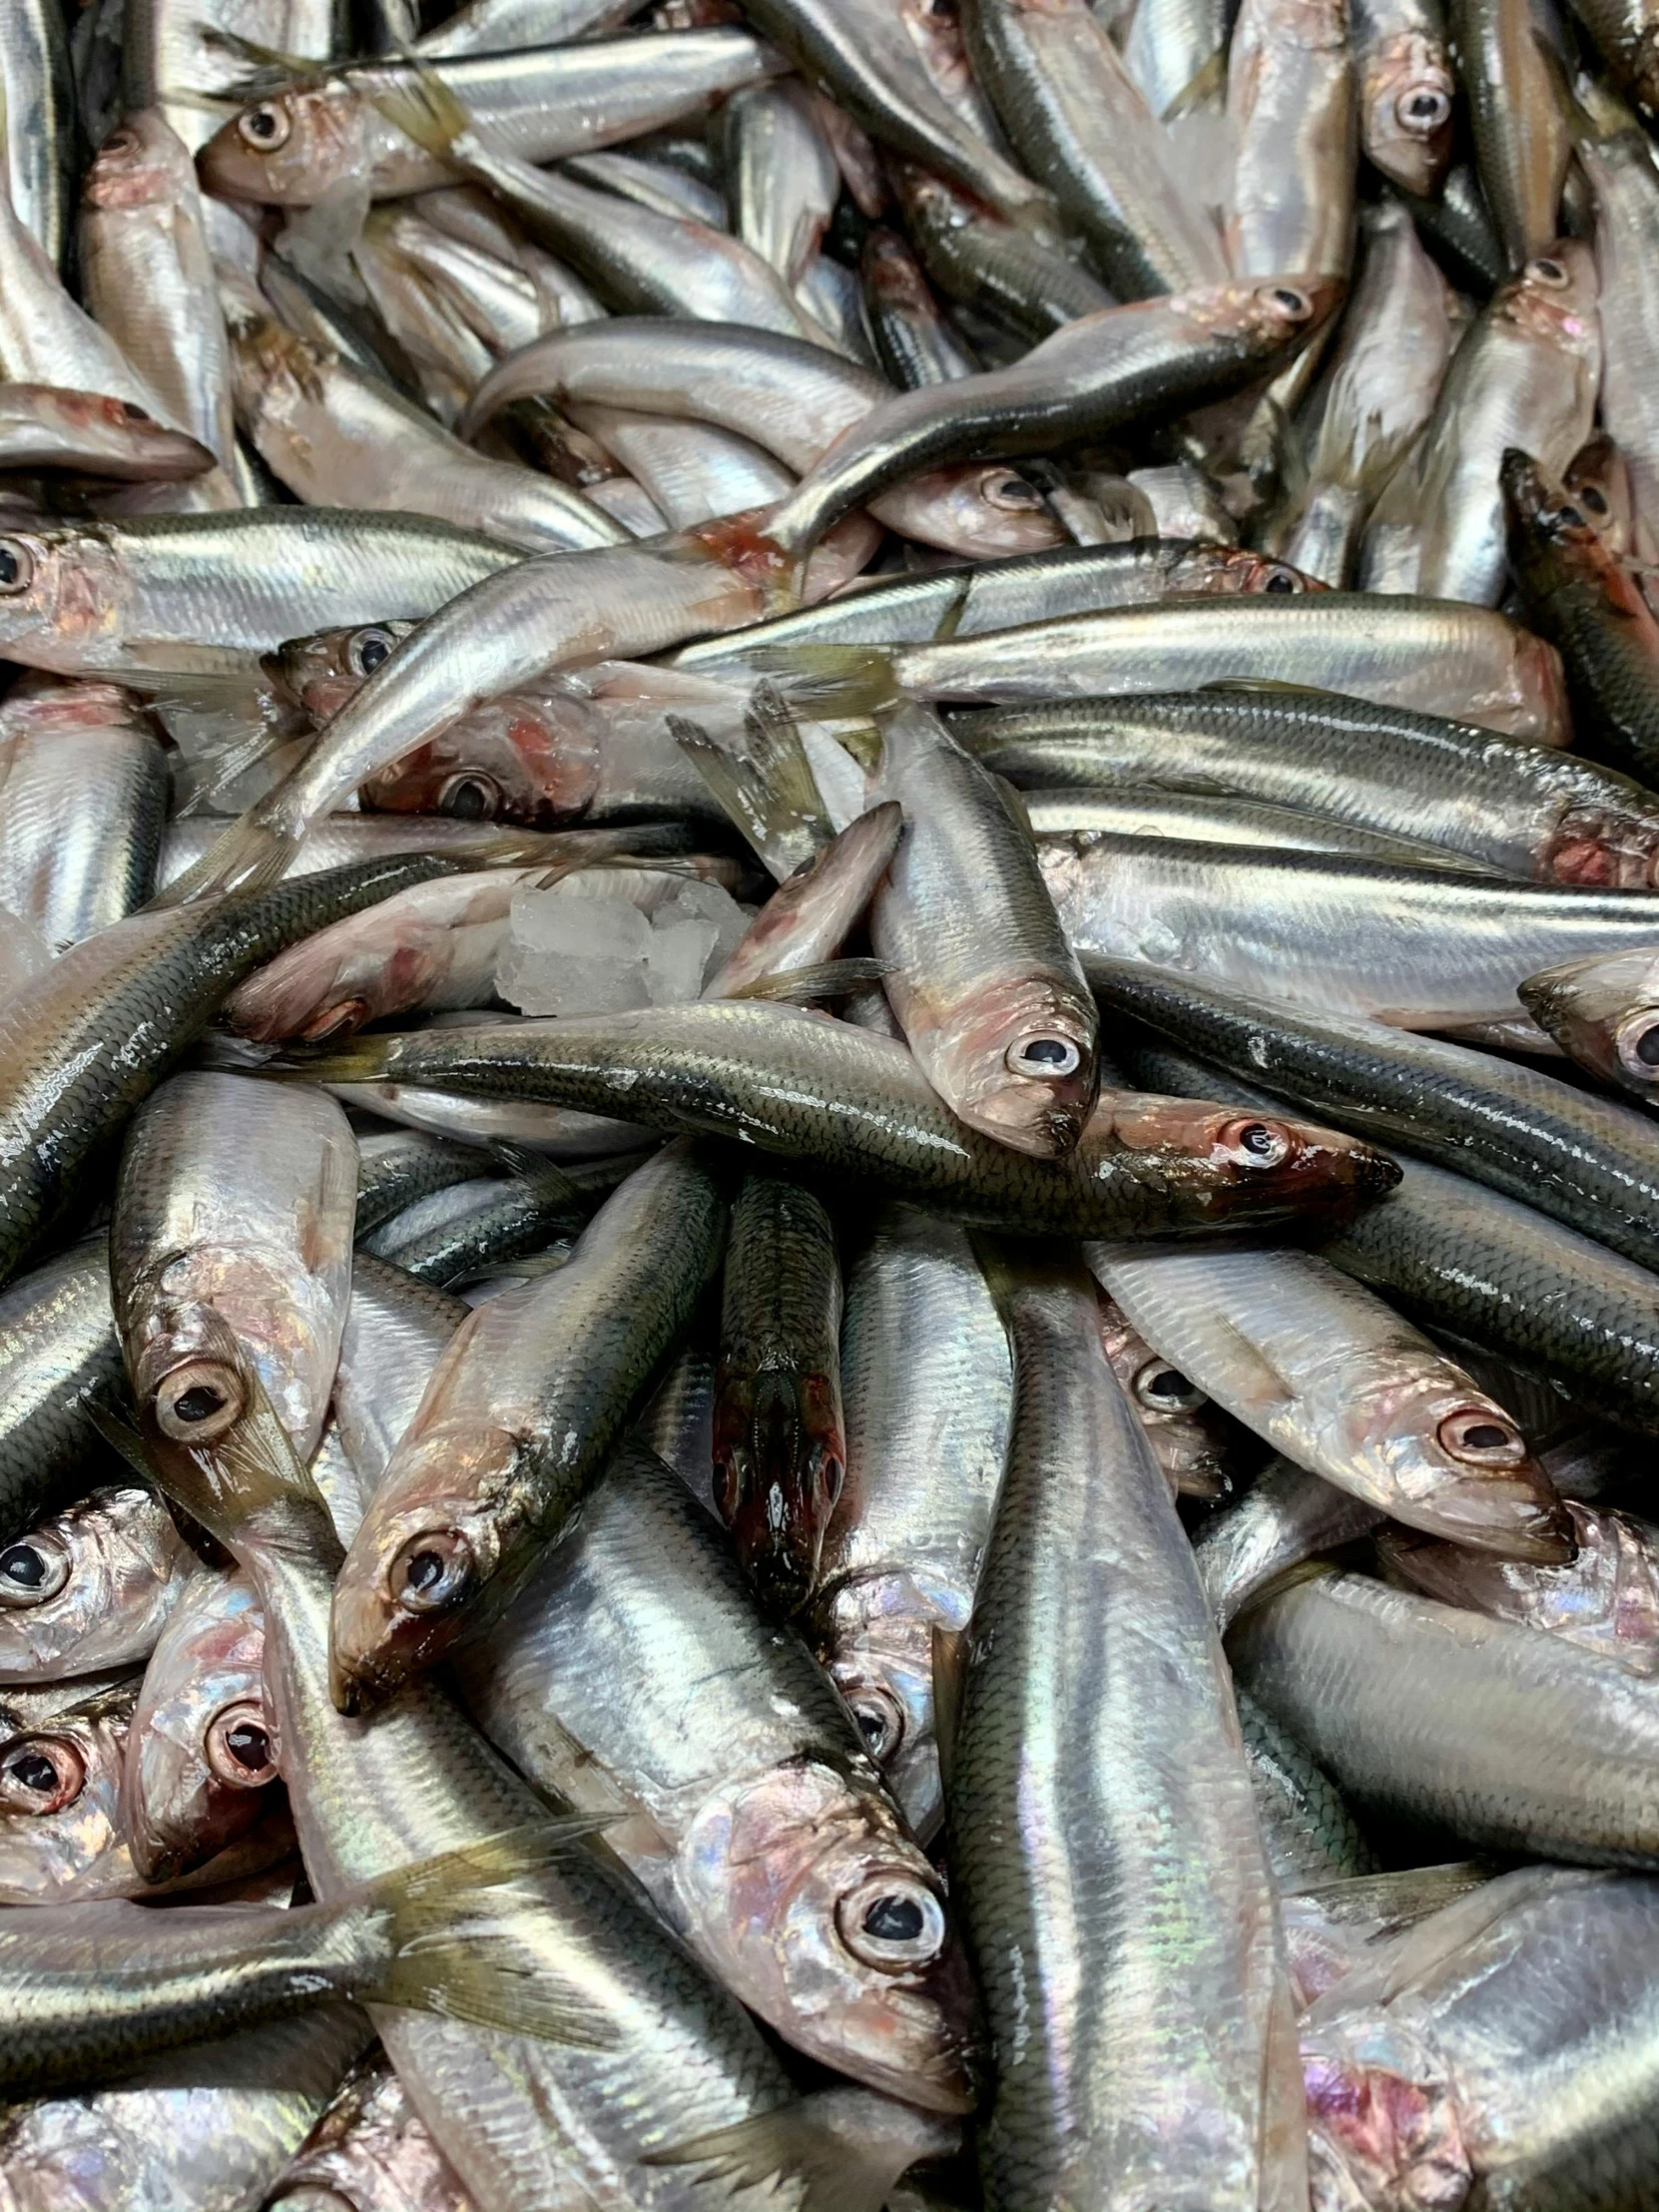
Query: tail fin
x=455 y=1951
x=769 y=790
x=846 y=2149
x=250 y=857
x=842 y=680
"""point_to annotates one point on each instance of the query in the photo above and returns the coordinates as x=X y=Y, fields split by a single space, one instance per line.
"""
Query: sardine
x=1288 y=1515
x=1406 y=90
x=981 y=259
x=1065 y=820
x=372 y=2152
x=39 y=122
x=83 y=797
x=1310 y=1836
x=59 y=1358
x=1515 y=106
x=913 y=341
x=1291 y=103
x=1627 y=223
x=1182 y=1425
x=1604 y=1011
x=90 y=1590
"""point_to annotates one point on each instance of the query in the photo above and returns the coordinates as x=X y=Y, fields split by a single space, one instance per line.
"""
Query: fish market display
x=828 y=1050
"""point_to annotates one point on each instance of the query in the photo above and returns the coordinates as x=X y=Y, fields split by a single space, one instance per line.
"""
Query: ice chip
x=679 y=958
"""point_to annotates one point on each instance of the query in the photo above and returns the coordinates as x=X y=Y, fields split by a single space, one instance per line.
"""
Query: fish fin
x=1206 y=88
x=356 y=1060
x=1264 y=1380
x=123 y=1439
x=844 y=2149
x=455 y=1953
x=803 y=986
x=249 y=856
x=955 y=607
x=424 y=109
x=950 y=1655
x=769 y=790
x=1267 y=684
x=836 y=679
x=548 y=1179
x=269 y=68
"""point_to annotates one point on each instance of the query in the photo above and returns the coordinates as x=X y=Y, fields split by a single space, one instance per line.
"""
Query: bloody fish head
x=780 y=1457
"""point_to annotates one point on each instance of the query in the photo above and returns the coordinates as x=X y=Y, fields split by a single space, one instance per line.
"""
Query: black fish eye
x=34 y=1770
x=894 y=1920
x=423 y=1570
x=16 y=565
x=1647 y=1048
x=1570 y=518
x=470 y=799
x=200 y=1404
x=1594 y=499
x=23 y=1565
x=249 y=1746
x=1280 y=581
x=1258 y=1139
x=1292 y=302
x=369 y=649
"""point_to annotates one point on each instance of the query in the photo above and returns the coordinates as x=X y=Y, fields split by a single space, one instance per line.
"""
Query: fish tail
x=830 y=679
x=251 y=855
x=767 y=790
x=352 y=1061
x=844 y=2149
x=453 y=1948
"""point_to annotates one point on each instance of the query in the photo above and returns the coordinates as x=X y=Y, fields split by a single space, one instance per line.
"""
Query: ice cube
x=678 y=959
x=569 y=951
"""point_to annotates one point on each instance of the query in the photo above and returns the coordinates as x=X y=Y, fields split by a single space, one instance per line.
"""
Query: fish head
x=453 y=1510
x=874 y=1634
x=1238 y=1166
x=88 y=1588
x=286 y=1316
x=827 y=1920
x=533 y=759
x=978 y=511
x=102 y=433
x=61 y=592
x=1261 y=317
x=61 y=1833
x=201 y=1761
x=1018 y=1063
x=286 y=149
x=142 y=162
x=1406 y=93
x=1176 y=1414
x=1554 y=297
x=1604 y=1012
x=324 y=671
x=1384 y=2124
x=1221 y=570
x=778 y=1461
x=1447 y=1458
x=372 y=2152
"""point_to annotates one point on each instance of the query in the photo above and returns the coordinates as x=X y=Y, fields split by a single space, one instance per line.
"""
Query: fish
x=40 y=123
x=1526 y=375
x=1311 y=1836
x=1022 y=281
x=914 y=341
x=781 y=1080
x=83 y=802
x=1197 y=2084
x=1627 y=210
x=480 y=1229
x=1181 y=1424
x=763 y=1836
x=43 y=427
x=232 y=1203
x=90 y=1590
x=1524 y=811
x=85 y=1044
x=1288 y=1515
x=59 y=1358
x=1333 y=1377
x=1065 y=820
x=1526 y=1743
x=200 y=1767
x=1291 y=103
x=1606 y=1599
x=1522 y=142
x=1405 y=91
x=518 y=1424
x=779 y=1453
x=1098 y=377
x=1602 y=1010
x=1591 y=607
x=813 y=910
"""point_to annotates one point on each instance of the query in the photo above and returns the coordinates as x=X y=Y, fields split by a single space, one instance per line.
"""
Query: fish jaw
x=450 y=1513
x=875 y=1634
x=1236 y=1163
x=1406 y=103
x=780 y=1456
x=987 y=1060
x=782 y=1878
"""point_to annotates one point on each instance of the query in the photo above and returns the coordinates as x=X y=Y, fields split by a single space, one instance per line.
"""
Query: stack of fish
x=829 y=1039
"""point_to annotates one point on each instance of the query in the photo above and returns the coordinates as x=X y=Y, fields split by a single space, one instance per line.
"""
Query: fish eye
x=1295 y=306
x=32 y=1570
x=1593 y=497
x=120 y=141
x=1163 y=1389
x=368 y=650
x=1049 y=1057
x=833 y=1474
x=1423 y=109
x=891 y=1922
x=17 y=566
x=881 y=1719
x=1637 y=1045
x=470 y=798
x=433 y=1571
x=1002 y=488
x=42 y=1773
x=1547 y=271
x=263 y=128
x=1569 y=518
x=199 y=1402
x=1256 y=1144
x=239 y=1746
x=1276 y=577
x=1484 y=1436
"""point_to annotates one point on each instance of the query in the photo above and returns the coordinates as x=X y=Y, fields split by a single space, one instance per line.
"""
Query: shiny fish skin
x=1309 y=1834
x=1067 y=820
x=757 y=1805
x=518 y=1424
x=857 y=1104
x=395 y=1330
x=1076 y=116
x=1291 y=102
x=205 y=593
x=1516 y=107
x=1418 y=948
x=83 y=797
x=1584 y=1160
x=979 y=974
x=928 y=1389
x=1286 y=1516
x=1188 y=2095
x=230 y=1202
x=84 y=1044
x=810 y=914
x=92 y=1588
x=1437 y=656
x=372 y=2152
x=341 y=839
x=779 y=1449
x=1521 y=810
x=1600 y=1011
x=40 y=121
x=1514 y=1740
x=43 y=427
x=913 y=341
x=1180 y=1423
x=1020 y=280
x=1406 y=90
x=1335 y=1380
x=1627 y=223
x=59 y=1353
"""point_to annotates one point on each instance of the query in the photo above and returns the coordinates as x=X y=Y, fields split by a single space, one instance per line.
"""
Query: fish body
x=91 y=1589
x=83 y=797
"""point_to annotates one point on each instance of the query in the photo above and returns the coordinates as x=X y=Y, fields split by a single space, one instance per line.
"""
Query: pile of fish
x=829 y=1051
